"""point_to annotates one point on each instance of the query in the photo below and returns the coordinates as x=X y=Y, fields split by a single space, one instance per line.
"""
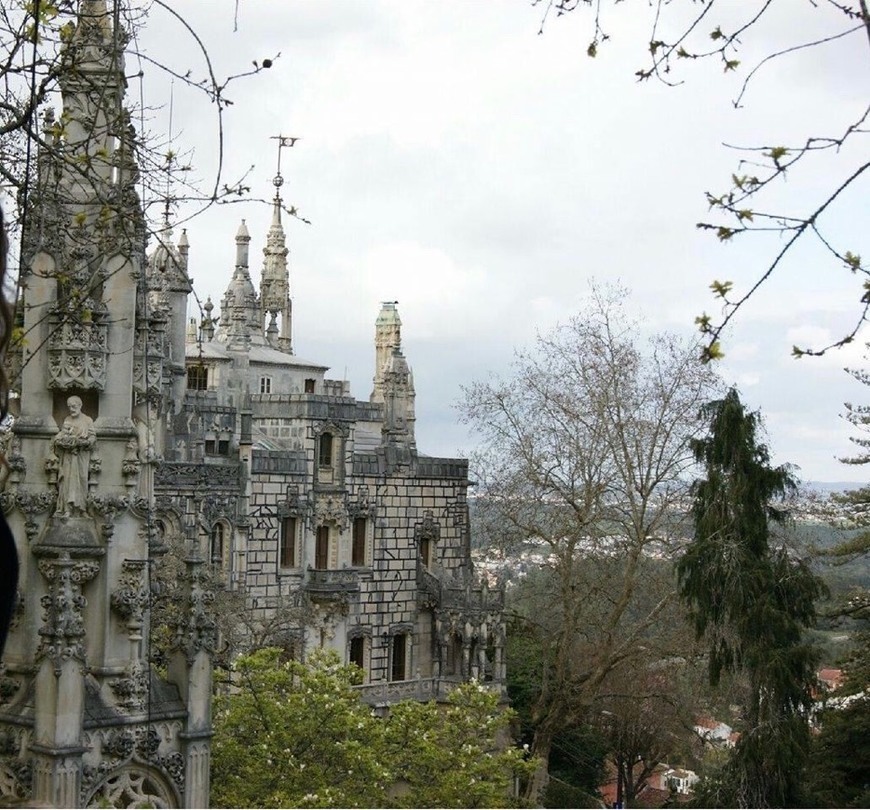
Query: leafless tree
x=584 y=460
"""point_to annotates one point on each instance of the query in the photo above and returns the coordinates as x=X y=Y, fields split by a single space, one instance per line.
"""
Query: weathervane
x=283 y=140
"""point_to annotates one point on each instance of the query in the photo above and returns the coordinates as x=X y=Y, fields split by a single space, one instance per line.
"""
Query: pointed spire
x=275 y=283
x=275 y=279
x=241 y=323
x=167 y=268
x=93 y=84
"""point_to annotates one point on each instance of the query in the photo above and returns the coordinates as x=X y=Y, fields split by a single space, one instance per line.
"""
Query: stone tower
x=84 y=719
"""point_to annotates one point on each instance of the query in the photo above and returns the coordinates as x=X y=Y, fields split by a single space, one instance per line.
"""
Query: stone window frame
x=224 y=569
x=357 y=537
x=360 y=635
x=331 y=474
x=405 y=631
x=324 y=533
x=293 y=545
x=198 y=373
x=326 y=449
x=290 y=508
x=427 y=533
x=266 y=384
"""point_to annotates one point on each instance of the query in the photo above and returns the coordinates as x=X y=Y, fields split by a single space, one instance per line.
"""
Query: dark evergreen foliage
x=751 y=601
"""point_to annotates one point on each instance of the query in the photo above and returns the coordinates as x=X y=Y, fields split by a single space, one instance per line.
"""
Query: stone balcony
x=454 y=596
x=331 y=583
x=385 y=693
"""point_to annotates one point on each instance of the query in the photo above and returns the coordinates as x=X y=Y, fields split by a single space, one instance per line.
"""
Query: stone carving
x=31 y=504
x=8 y=685
x=289 y=507
x=130 y=464
x=15 y=780
x=131 y=691
x=10 y=449
x=331 y=509
x=73 y=445
x=131 y=599
x=178 y=475
x=108 y=507
x=77 y=349
x=215 y=507
x=63 y=624
x=149 y=743
x=196 y=630
x=132 y=749
x=120 y=744
x=362 y=506
x=132 y=786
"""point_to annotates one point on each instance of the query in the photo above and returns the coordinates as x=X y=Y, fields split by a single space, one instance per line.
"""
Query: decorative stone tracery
x=77 y=350
x=63 y=623
x=330 y=509
x=133 y=786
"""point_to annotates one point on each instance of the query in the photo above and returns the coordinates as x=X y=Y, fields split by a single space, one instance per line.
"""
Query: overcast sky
x=454 y=160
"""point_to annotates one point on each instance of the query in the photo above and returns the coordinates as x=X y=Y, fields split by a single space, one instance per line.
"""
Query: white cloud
x=452 y=159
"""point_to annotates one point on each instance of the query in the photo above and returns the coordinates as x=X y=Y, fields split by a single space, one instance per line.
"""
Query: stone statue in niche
x=73 y=444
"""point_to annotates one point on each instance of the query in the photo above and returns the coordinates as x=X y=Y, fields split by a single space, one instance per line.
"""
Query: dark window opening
x=325 y=456
x=287 y=553
x=426 y=551
x=358 y=548
x=265 y=385
x=219 y=447
x=309 y=386
x=197 y=378
x=453 y=664
x=321 y=548
x=400 y=647
x=357 y=651
x=216 y=552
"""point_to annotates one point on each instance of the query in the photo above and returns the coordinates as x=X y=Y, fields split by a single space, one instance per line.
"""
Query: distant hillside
x=827 y=487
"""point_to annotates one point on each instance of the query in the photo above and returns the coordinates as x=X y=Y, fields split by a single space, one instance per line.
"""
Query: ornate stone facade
x=318 y=506
x=135 y=431
x=85 y=720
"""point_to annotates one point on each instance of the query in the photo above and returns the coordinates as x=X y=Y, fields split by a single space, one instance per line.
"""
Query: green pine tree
x=751 y=599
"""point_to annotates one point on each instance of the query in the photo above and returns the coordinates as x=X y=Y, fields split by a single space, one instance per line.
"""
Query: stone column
x=60 y=683
x=190 y=668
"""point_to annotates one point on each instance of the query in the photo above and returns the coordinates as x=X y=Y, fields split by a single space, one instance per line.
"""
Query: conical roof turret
x=240 y=308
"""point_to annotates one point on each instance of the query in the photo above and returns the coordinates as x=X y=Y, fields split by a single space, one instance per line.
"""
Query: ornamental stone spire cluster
x=275 y=282
x=251 y=319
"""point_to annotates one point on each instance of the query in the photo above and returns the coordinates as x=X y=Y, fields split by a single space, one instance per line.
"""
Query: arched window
x=217 y=547
x=324 y=458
